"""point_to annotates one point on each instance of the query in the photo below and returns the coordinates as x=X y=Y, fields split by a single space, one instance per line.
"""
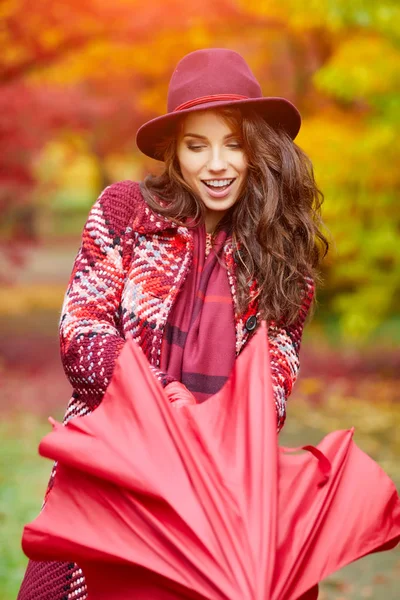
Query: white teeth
x=219 y=182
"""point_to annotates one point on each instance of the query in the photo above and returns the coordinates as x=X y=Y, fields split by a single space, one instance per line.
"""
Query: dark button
x=251 y=323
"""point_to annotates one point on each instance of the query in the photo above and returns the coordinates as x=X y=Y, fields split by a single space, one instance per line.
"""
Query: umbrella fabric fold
x=200 y=502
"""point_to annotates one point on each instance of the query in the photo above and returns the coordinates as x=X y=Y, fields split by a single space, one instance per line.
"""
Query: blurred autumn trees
x=86 y=74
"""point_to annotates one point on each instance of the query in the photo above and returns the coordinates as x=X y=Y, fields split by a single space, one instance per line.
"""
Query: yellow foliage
x=363 y=64
x=338 y=60
x=124 y=167
x=69 y=167
x=310 y=385
x=50 y=38
x=334 y=15
x=21 y=299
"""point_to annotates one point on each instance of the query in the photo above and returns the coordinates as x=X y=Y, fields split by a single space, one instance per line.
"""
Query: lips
x=218 y=188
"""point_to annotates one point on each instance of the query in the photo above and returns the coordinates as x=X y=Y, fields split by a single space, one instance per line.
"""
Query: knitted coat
x=130 y=267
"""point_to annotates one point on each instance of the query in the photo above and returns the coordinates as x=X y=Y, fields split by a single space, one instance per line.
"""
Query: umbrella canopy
x=200 y=502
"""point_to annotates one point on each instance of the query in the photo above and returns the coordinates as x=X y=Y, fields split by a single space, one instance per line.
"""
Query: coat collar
x=146 y=220
x=152 y=222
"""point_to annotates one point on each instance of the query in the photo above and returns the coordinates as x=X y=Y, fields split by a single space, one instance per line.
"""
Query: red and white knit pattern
x=128 y=272
x=126 y=276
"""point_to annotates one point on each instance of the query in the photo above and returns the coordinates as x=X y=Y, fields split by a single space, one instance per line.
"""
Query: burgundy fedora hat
x=212 y=78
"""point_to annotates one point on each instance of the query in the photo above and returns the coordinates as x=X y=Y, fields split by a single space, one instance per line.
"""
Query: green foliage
x=359 y=174
x=349 y=93
x=364 y=66
x=23 y=480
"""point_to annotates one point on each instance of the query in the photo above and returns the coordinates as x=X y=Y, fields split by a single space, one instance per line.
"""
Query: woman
x=188 y=263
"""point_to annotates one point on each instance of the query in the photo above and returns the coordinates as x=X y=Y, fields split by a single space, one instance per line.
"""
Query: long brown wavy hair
x=276 y=222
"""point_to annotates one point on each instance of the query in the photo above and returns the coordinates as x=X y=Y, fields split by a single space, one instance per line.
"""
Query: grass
x=23 y=479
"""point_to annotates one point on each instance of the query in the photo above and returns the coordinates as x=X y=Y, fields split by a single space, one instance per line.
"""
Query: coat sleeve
x=90 y=333
x=284 y=346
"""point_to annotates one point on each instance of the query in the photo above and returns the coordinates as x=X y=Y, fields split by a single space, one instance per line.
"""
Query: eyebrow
x=203 y=137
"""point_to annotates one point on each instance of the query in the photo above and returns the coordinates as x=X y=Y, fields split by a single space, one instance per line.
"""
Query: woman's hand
x=179 y=395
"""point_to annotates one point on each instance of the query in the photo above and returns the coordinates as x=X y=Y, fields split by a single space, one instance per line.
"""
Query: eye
x=234 y=145
x=195 y=147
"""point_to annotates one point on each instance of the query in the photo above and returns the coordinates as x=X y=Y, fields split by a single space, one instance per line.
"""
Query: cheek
x=240 y=163
x=190 y=164
x=242 y=167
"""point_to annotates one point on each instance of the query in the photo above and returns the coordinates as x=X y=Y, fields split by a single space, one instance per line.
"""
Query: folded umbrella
x=201 y=502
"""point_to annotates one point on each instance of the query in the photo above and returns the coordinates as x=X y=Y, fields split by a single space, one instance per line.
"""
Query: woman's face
x=212 y=162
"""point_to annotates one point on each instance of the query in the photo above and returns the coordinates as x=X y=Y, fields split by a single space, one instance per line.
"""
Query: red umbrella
x=200 y=502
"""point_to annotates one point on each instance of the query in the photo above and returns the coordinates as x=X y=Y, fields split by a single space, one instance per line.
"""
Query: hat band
x=213 y=98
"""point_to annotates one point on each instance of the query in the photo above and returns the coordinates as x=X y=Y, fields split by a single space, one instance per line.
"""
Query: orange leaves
x=95 y=70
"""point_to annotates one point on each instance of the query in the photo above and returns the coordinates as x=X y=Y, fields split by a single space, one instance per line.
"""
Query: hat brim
x=278 y=112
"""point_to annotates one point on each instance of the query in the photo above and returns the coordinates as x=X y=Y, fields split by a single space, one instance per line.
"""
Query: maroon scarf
x=199 y=341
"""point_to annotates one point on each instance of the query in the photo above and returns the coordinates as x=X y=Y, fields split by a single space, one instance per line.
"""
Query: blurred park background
x=76 y=80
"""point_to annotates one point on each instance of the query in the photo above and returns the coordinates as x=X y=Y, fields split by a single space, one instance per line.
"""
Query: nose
x=217 y=162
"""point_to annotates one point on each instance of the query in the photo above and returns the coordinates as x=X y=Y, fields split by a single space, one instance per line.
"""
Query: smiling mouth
x=218 y=185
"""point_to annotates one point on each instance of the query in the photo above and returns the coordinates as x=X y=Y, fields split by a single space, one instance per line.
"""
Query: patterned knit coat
x=126 y=277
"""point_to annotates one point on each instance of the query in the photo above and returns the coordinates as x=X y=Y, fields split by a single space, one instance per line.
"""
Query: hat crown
x=211 y=72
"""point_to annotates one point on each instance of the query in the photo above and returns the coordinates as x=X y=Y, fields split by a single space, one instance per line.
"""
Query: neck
x=212 y=220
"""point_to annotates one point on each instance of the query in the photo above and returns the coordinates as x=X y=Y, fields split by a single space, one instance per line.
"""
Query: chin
x=219 y=205
x=223 y=208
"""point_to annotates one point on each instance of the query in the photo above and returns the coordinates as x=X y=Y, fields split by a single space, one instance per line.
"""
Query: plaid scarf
x=199 y=342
